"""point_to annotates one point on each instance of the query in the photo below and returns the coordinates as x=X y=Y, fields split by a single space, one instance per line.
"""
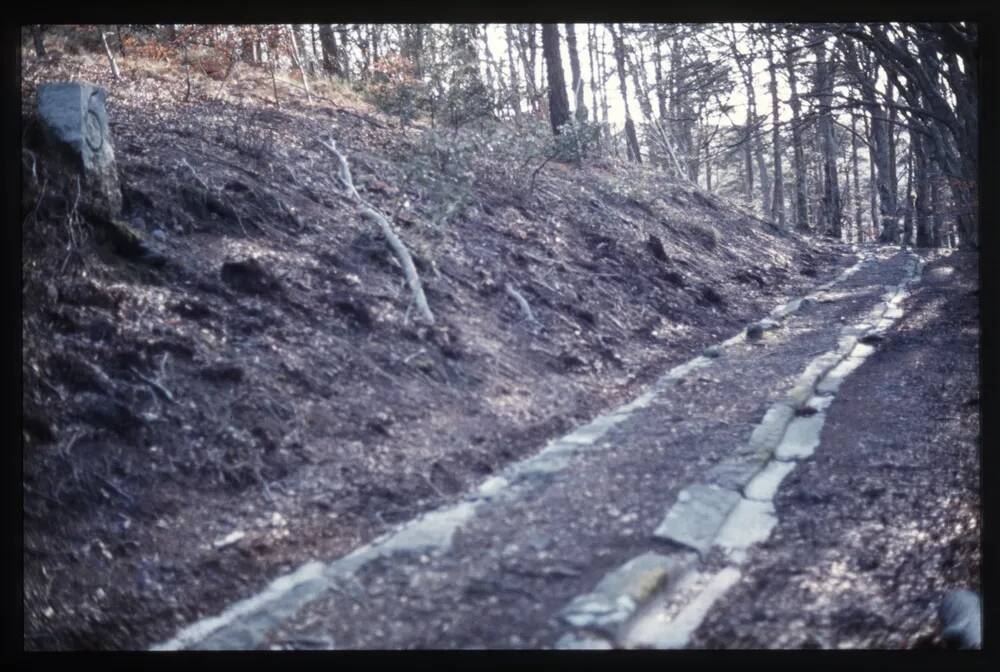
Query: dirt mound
x=270 y=370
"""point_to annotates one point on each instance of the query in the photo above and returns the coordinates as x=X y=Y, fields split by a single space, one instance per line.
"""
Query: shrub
x=396 y=90
x=457 y=94
x=577 y=139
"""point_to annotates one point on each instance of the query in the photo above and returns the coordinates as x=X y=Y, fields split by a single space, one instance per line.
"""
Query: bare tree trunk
x=328 y=46
x=576 y=81
x=638 y=77
x=187 y=72
x=533 y=62
x=526 y=50
x=921 y=205
x=412 y=46
x=558 y=102
x=661 y=95
x=604 y=88
x=314 y=57
x=708 y=170
x=801 y=188
x=778 y=204
x=886 y=179
x=872 y=181
x=832 y=207
x=936 y=204
x=247 y=52
x=36 y=36
x=365 y=48
x=765 y=177
x=908 y=198
x=514 y=85
x=111 y=57
x=273 y=62
x=631 y=140
x=297 y=59
x=375 y=39
x=345 y=54
x=855 y=173
x=491 y=85
x=891 y=234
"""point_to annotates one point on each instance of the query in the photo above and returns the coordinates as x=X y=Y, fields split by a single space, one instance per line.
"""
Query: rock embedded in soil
x=710 y=296
x=961 y=620
x=223 y=373
x=108 y=413
x=655 y=246
x=248 y=276
x=77 y=143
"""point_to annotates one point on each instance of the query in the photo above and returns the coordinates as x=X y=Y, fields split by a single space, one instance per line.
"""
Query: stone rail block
x=696 y=517
x=622 y=592
x=767 y=435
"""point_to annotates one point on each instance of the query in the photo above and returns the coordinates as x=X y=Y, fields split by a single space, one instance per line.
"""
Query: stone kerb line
x=736 y=515
x=246 y=623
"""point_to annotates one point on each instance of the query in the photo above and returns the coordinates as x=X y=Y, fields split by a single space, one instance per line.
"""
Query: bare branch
x=397 y=245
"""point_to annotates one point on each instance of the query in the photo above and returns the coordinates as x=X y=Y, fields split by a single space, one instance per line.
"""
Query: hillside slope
x=295 y=399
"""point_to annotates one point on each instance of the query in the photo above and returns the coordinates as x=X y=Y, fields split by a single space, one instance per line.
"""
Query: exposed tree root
x=522 y=303
x=397 y=245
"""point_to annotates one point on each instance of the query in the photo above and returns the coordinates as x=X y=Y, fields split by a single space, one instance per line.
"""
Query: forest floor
x=298 y=413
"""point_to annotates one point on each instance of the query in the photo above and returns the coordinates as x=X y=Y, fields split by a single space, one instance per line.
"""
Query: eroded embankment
x=195 y=428
x=505 y=520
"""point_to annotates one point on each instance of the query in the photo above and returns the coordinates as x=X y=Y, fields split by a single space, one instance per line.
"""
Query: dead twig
x=522 y=303
x=114 y=487
x=419 y=352
x=433 y=487
x=198 y=179
x=31 y=491
x=72 y=222
x=155 y=383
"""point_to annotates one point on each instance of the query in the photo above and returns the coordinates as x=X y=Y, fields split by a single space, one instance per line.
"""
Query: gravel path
x=638 y=511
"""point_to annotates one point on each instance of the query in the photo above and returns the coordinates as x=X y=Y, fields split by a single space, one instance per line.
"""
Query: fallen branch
x=155 y=383
x=398 y=248
x=116 y=489
x=195 y=174
x=521 y=302
x=111 y=58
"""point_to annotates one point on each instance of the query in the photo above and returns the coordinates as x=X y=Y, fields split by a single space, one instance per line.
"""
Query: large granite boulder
x=77 y=143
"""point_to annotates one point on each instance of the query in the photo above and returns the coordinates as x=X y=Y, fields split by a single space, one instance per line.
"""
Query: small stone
x=961 y=619
x=755 y=332
x=160 y=235
x=229 y=539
